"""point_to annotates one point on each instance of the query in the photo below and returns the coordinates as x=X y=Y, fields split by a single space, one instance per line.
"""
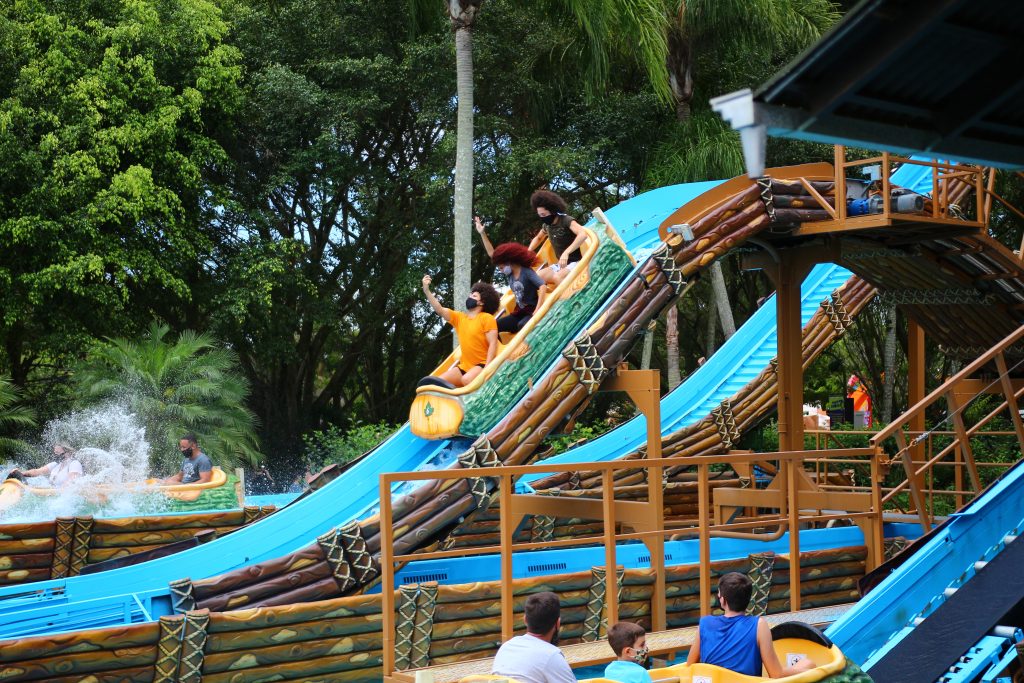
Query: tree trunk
x=680 y=69
x=890 y=367
x=722 y=300
x=645 y=359
x=709 y=335
x=672 y=346
x=463 y=211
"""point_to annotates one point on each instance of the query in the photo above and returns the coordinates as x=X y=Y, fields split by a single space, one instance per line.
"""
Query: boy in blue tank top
x=737 y=641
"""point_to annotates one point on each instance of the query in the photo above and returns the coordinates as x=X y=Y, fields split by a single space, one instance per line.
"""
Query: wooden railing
x=795 y=500
x=952 y=390
x=950 y=182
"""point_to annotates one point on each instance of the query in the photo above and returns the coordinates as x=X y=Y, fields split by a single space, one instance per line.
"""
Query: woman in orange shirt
x=476 y=329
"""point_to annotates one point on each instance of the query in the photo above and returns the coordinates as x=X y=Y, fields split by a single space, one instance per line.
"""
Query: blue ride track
x=140 y=593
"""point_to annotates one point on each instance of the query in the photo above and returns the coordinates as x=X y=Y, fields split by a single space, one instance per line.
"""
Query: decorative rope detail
x=762 y=565
x=168 y=650
x=334 y=553
x=62 y=547
x=250 y=513
x=764 y=184
x=663 y=257
x=192 y=647
x=405 y=622
x=183 y=598
x=574 y=481
x=586 y=362
x=423 y=628
x=837 y=314
x=595 y=605
x=80 y=544
x=595 y=622
x=931 y=297
x=967 y=351
x=773 y=365
x=480 y=454
x=725 y=422
x=363 y=564
x=893 y=546
x=543 y=529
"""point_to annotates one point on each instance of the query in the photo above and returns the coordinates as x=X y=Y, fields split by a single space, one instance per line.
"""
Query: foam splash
x=111 y=445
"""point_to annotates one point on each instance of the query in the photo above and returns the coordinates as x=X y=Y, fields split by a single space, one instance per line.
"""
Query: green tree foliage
x=13 y=416
x=190 y=384
x=333 y=445
x=105 y=112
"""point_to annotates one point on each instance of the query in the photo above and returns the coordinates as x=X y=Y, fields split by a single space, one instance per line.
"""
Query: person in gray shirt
x=195 y=465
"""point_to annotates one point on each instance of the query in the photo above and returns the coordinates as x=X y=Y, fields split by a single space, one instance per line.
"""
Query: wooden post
x=387 y=581
x=874 y=539
x=705 y=539
x=643 y=387
x=788 y=277
x=965 y=441
x=915 y=383
x=839 y=162
x=611 y=591
x=505 y=525
x=886 y=191
x=793 y=488
x=1011 y=399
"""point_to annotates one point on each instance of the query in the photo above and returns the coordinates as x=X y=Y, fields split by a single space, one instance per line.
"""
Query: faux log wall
x=52 y=550
x=340 y=639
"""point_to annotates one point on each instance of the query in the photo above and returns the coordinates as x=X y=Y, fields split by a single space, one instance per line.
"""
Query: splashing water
x=111 y=445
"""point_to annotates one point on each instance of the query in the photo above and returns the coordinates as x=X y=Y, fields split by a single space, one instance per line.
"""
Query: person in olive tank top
x=565 y=234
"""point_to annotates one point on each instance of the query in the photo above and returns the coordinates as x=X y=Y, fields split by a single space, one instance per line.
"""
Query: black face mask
x=471 y=303
x=549 y=219
x=186 y=452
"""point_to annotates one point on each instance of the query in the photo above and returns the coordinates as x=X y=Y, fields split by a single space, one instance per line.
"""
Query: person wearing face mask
x=738 y=641
x=535 y=657
x=562 y=230
x=629 y=643
x=529 y=289
x=476 y=329
x=61 y=472
x=195 y=465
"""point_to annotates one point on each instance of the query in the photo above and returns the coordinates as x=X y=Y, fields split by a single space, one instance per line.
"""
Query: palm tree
x=602 y=28
x=750 y=29
x=189 y=385
x=12 y=416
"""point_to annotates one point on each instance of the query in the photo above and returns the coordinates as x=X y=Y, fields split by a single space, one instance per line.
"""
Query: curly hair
x=514 y=253
x=490 y=300
x=549 y=200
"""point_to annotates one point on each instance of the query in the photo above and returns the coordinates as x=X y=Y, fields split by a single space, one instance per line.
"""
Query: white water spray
x=111 y=445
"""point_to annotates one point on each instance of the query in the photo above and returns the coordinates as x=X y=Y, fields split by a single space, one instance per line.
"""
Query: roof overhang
x=944 y=77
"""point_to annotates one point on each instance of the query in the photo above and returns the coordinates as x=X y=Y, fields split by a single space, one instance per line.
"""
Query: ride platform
x=662 y=644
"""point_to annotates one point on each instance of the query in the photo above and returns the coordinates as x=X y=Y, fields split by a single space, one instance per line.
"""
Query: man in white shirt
x=535 y=657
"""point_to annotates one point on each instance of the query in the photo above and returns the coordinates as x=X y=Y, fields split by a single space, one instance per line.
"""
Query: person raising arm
x=565 y=234
x=476 y=330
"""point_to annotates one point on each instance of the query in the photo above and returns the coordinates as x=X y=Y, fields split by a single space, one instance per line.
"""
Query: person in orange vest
x=861 y=400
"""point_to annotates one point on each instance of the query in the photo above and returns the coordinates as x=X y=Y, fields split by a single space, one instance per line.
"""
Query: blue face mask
x=507 y=270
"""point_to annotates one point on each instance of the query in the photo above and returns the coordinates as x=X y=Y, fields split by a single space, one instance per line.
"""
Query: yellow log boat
x=12 y=490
